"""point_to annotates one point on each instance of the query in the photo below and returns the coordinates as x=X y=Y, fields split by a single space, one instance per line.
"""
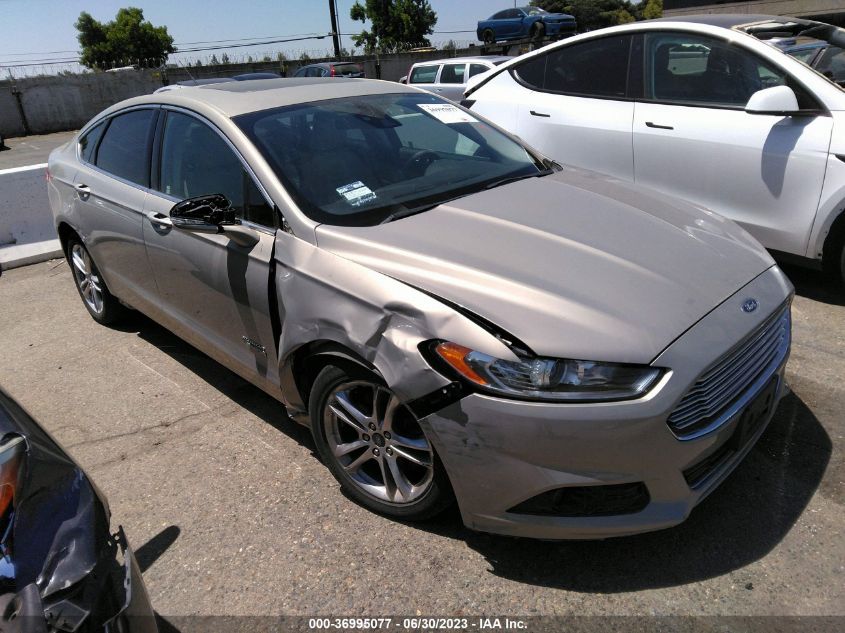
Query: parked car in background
x=190 y=83
x=453 y=315
x=331 y=69
x=522 y=22
x=824 y=57
x=251 y=76
x=63 y=565
x=448 y=77
x=700 y=108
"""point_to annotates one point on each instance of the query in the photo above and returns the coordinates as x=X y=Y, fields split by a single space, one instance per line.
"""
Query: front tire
x=96 y=298
x=374 y=446
x=488 y=37
x=538 y=30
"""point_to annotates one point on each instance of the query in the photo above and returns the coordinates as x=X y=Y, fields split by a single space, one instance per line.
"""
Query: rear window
x=423 y=74
x=124 y=150
x=347 y=69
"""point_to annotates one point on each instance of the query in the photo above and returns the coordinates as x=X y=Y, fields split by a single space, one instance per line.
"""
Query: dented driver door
x=213 y=287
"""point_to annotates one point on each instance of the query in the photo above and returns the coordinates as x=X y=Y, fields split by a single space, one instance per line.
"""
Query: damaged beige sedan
x=455 y=317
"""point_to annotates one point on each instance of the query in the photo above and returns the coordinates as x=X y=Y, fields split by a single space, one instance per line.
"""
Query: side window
x=832 y=64
x=596 y=68
x=452 y=73
x=532 y=72
x=300 y=72
x=196 y=161
x=687 y=68
x=499 y=16
x=423 y=74
x=805 y=55
x=88 y=143
x=124 y=149
x=477 y=69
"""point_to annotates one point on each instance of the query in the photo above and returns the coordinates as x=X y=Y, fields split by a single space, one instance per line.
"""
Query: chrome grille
x=714 y=391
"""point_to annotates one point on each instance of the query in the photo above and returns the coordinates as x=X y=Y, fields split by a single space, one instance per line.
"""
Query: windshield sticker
x=356 y=193
x=446 y=113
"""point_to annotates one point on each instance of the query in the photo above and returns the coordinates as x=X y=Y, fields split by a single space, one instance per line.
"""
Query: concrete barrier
x=27 y=234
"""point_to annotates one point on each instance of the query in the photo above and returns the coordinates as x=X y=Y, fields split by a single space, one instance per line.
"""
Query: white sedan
x=702 y=109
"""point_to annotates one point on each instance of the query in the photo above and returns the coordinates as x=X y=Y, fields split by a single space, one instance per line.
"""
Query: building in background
x=831 y=11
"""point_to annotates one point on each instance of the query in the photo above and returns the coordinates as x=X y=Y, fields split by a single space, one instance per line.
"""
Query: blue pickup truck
x=523 y=22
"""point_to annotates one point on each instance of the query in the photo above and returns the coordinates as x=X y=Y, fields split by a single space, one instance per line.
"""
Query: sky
x=40 y=31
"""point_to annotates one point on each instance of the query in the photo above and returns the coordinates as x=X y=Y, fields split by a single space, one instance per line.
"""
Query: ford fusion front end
x=530 y=466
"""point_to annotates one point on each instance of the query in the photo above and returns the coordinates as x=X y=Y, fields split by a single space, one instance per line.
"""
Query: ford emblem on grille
x=749 y=305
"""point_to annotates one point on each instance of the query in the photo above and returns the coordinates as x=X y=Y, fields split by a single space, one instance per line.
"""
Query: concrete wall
x=67 y=102
x=24 y=208
x=27 y=234
x=829 y=10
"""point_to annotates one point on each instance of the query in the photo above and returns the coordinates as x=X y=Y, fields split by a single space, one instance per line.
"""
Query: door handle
x=542 y=114
x=82 y=190
x=159 y=219
x=658 y=127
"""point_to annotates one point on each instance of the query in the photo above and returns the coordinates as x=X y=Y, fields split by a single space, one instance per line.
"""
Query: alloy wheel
x=378 y=442
x=87 y=278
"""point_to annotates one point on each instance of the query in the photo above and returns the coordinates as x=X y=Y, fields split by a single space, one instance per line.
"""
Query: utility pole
x=335 y=29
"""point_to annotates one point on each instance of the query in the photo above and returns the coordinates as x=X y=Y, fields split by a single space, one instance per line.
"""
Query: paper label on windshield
x=447 y=113
x=356 y=193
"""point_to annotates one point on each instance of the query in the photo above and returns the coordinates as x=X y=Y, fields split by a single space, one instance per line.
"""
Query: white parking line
x=14 y=170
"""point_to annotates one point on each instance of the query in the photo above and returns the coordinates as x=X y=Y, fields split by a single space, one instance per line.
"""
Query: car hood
x=574 y=264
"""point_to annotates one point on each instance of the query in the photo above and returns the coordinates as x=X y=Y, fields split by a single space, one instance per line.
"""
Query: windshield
x=534 y=11
x=361 y=160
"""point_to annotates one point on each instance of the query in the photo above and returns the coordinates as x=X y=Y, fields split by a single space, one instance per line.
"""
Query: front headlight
x=553 y=379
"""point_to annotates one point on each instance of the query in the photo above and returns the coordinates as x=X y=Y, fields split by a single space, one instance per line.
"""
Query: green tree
x=224 y=58
x=653 y=9
x=126 y=40
x=214 y=61
x=397 y=25
x=592 y=14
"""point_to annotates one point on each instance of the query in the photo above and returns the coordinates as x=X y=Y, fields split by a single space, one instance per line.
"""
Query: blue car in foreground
x=522 y=22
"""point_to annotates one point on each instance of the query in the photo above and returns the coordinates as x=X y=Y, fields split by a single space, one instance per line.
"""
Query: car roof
x=478 y=58
x=742 y=21
x=329 y=64
x=241 y=97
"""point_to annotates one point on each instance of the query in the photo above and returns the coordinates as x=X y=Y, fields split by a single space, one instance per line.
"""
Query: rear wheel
x=488 y=37
x=374 y=446
x=96 y=298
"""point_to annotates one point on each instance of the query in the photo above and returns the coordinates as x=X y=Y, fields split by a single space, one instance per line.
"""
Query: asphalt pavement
x=231 y=512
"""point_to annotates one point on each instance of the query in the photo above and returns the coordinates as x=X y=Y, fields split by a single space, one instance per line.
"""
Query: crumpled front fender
x=325 y=297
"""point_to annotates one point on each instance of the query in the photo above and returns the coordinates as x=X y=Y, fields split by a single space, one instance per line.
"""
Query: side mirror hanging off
x=206 y=214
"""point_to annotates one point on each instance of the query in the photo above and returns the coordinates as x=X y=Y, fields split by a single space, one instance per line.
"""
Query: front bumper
x=500 y=453
x=116 y=602
x=560 y=28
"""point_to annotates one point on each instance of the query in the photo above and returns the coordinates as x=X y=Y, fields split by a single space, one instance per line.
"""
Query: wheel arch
x=65 y=232
x=834 y=241
x=302 y=366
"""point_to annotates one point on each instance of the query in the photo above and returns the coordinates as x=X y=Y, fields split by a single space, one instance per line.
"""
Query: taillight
x=47 y=175
x=332 y=73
